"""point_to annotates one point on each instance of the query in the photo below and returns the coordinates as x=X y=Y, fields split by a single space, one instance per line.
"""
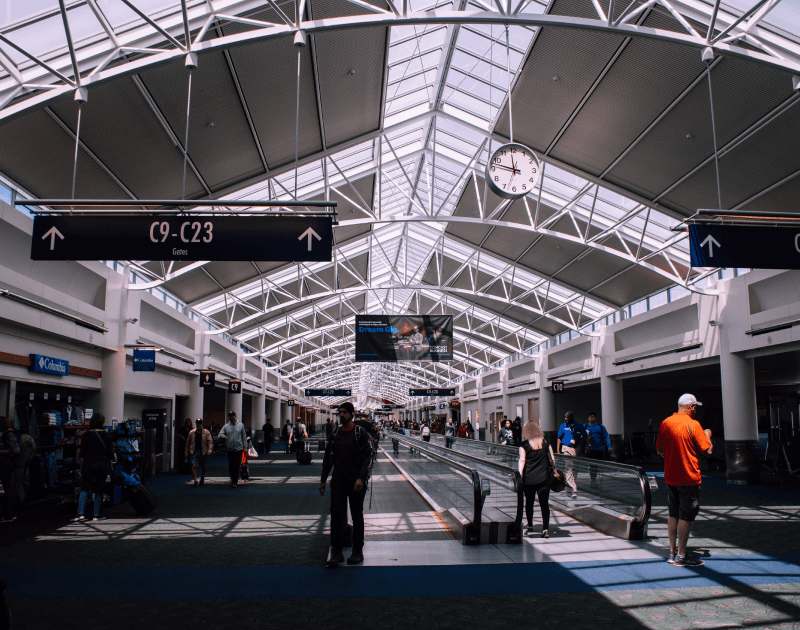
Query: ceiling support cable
x=708 y=58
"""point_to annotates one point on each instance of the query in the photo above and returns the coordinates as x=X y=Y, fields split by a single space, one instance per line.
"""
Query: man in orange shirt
x=680 y=440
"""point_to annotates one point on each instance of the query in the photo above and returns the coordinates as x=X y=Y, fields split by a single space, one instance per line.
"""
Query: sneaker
x=8 y=519
x=202 y=480
x=529 y=529
x=195 y=483
x=337 y=557
x=688 y=561
x=671 y=557
x=574 y=495
x=357 y=557
x=99 y=518
x=79 y=519
x=234 y=485
x=545 y=534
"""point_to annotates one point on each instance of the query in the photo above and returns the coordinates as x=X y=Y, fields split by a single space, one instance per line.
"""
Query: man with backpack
x=298 y=437
x=349 y=453
x=9 y=453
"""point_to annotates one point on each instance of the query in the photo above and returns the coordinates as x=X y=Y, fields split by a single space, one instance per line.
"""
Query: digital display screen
x=392 y=338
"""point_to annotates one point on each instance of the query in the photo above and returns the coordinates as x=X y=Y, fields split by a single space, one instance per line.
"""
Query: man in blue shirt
x=597 y=441
x=571 y=439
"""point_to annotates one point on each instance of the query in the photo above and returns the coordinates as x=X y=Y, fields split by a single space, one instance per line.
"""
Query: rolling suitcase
x=321 y=445
x=141 y=499
x=303 y=454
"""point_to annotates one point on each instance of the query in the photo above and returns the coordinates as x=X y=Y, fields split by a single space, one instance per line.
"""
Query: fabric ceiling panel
x=550 y=254
x=509 y=243
x=120 y=128
x=231 y=273
x=221 y=144
x=643 y=81
x=633 y=284
x=591 y=269
x=267 y=72
x=782 y=197
x=743 y=94
x=755 y=164
x=192 y=287
x=350 y=66
x=23 y=143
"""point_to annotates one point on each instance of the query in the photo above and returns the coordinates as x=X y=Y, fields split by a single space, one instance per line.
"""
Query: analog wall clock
x=512 y=171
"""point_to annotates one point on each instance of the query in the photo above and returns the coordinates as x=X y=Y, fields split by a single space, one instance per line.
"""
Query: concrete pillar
x=275 y=415
x=233 y=402
x=547 y=405
x=739 y=416
x=612 y=416
x=194 y=403
x=112 y=390
x=258 y=415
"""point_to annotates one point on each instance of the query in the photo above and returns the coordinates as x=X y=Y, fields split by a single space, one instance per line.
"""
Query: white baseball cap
x=688 y=399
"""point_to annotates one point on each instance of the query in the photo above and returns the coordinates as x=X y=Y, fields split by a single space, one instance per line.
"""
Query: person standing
x=571 y=438
x=297 y=438
x=470 y=429
x=349 y=453
x=94 y=457
x=426 y=432
x=506 y=437
x=235 y=438
x=449 y=433
x=285 y=433
x=536 y=462
x=516 y=429
x=597 y=444
x=680 y=440
x=267 y=431
x=9 y=452
x=198 y=445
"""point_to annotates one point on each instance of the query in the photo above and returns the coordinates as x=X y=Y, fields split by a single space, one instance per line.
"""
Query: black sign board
x=207 y=378
x=432 y=391
x=290 y=402
x=334 y=406
x=558 y=386
x=234 y=387
x=744 y=246
x=386 y=407
x=190 y=238
x=144 y=360
x=328 y=392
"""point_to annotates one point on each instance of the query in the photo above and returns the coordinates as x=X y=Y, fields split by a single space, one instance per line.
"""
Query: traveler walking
x=328 y=429
x=349 y=453
x=426 y=432
x=235 y=438
x=571 y=438
x=463 y=431
x=536 y=464
x=94 y=457
x=268 y=432
x=285 y=433
x=9 y=452
x=297 y=438
x=198 y=445
x=470 y=429
x=597 y=443
x=680 y=438
x=516 y=429
x=449 y=433
x=506 y=437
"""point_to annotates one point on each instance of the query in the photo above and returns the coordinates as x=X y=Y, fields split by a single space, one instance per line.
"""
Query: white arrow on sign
x=52 y=233
x=309 y=233
x=711 y=241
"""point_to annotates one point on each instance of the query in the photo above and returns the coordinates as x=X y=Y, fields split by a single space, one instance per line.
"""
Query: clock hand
x=508 y=168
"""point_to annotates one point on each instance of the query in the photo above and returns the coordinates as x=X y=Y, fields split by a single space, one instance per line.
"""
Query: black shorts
x=683 y=502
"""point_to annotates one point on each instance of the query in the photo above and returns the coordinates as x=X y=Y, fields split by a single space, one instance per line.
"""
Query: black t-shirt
x=537 y=463
x=349 y=459
x=95 y=444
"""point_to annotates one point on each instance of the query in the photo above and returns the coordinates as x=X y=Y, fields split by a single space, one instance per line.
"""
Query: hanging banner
x=392 y=338
x=144 y=360
x=207 y=378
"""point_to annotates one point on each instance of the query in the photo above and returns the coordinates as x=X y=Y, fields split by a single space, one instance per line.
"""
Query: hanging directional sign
x=144 y=360
x=189 y=238
x=207 y=378
x=328 y=392
x=558 y=386
x=749 y=246
x=290 y=402
x=234 y=387
x=432 y=391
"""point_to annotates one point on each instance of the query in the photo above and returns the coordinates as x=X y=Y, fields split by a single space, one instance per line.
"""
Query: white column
x=547 y=404
x=233 y=402
x=258 y=415
x=194 y=403
x=112 y=389
x=612 y=415
x=275 y=415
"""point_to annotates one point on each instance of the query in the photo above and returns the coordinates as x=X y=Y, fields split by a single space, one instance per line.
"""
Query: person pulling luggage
x=349 y=453
x=298 y=438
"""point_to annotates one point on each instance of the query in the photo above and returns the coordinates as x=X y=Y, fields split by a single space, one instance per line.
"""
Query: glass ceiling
x=445 y=88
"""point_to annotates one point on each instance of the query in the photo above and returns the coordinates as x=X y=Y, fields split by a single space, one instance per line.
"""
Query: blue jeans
x=84 y=498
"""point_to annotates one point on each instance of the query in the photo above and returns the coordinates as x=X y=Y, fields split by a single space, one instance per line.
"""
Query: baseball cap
x=199 y=420
x=688 y=399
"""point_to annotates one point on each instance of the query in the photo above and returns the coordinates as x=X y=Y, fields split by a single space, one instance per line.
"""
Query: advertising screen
x=391 y=338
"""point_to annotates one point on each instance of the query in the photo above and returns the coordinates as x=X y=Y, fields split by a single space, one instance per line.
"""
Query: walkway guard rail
x=624 y=490
x=506 y=532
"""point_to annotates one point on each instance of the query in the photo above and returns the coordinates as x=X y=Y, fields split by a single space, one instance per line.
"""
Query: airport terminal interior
x=304 y=305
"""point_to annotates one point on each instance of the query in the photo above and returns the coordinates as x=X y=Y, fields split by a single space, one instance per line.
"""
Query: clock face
x=513 y=171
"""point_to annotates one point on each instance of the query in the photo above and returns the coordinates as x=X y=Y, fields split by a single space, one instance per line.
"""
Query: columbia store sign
x=49 y=365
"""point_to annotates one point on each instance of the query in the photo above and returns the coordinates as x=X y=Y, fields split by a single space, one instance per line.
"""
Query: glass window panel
x=658 y=300
x=118 y=14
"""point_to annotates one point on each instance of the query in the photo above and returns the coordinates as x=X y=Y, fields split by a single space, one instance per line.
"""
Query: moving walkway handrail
x=644 y=482
x=472 y=472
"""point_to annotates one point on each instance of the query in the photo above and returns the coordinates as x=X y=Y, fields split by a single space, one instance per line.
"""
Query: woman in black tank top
x=535 y=463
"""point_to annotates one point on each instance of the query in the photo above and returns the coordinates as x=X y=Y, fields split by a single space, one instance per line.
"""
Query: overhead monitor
x=391 y=338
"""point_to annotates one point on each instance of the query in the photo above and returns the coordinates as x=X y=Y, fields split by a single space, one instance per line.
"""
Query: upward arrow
x=710 y=241
x=52 y=233
x=308 y=233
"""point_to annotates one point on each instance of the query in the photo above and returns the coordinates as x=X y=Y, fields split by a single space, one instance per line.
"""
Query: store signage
x=234 y=387
x=297 y=238
x=328 y=392
x=558 y=386
x=207 y=378
x=455 y=404
x=433 y=391
x=49 y=365
x=144 y=360
x=744 y=246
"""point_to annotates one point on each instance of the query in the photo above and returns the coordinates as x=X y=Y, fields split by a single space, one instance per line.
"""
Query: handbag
x=557 y=480
x=252 y=452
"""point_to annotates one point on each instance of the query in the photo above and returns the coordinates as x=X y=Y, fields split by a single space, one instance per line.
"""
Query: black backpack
x=298 y=432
